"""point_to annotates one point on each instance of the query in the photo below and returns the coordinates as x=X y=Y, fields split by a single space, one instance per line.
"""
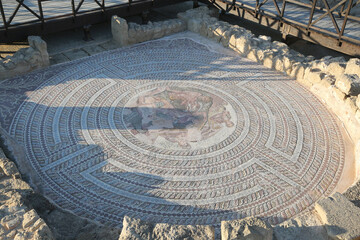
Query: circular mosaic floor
x=169 y=131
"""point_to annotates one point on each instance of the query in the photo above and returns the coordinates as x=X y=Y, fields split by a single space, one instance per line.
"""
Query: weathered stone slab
x=138 y=229
x=119 y=30
x=248 y=228
x=304 y=227
x=353 y=67
x=164 y=231
x=314 y=75
x=336 y=68
x=135 y=229
x=348 y=84
x=340 y=216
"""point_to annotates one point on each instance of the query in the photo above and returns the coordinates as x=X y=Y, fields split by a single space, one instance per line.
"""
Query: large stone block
x=164 y=231
x=194 y=25
x=252 y=55
x=247 y=228
x=280 y=47
x=348 y=84
x=37 y=43
x=227 y=36
x=303 y=227
x=358 y=101
x=340 y=216
x=350 y=105
x=158 y=30
x=336 y=68
x=137 y=229
x=211 y=28
x=220 y=31
x=29 y=218
x=314 y=75
x=243 y=44
x=119 y=30
x=279 y=64
x=353 y=67
x=269 y=57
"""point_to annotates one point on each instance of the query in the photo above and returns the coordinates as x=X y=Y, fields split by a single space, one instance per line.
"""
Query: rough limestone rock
x=314 y=75
x=25 y=59
x=280 y=47
x=247 y=228
x=243 y=45
x=304 y=227
x=358 y=101
x=17 y=219
x=137 y=229
x=7 y=166
x=269 y=57
x=166 y=231
x=29 y=218
x=348 y=84
x=40 y=45
x=119 y=30
x=336 y=68
x=353 y=67
x=194 y=24
x=350 y=105
x=340 y=216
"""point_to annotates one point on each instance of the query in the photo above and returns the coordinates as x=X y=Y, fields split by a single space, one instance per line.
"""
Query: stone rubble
x=18 y=221
x=26 y=59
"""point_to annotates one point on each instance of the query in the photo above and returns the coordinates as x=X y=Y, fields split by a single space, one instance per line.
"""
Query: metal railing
x=339 y=14
x=40 y=20
x=7 y=20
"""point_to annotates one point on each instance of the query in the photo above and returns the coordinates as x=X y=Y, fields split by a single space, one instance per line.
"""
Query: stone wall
x=26 y=59
x=17 y=220
x=126 y=34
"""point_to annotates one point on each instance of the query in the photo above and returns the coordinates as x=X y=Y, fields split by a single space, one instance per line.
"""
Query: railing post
x=311 y=16
x=345 y=20
x=41 y=13
x=73 y=9
x=3 y=15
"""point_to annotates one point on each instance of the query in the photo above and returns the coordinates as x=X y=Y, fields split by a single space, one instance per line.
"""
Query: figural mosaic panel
x=170 y=131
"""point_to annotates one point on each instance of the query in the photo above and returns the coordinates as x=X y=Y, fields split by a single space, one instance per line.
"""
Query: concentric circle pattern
x=169 y=131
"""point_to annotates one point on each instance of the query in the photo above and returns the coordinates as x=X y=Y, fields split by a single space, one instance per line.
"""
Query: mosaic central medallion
x=179 y=118
x=170 y=131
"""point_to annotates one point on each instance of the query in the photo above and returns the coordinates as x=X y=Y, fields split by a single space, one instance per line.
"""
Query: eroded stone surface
x=340 y=216
x=152 y=131
x=304 y=227
x=137 y=229
x=348 y=84
x=248 y=229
